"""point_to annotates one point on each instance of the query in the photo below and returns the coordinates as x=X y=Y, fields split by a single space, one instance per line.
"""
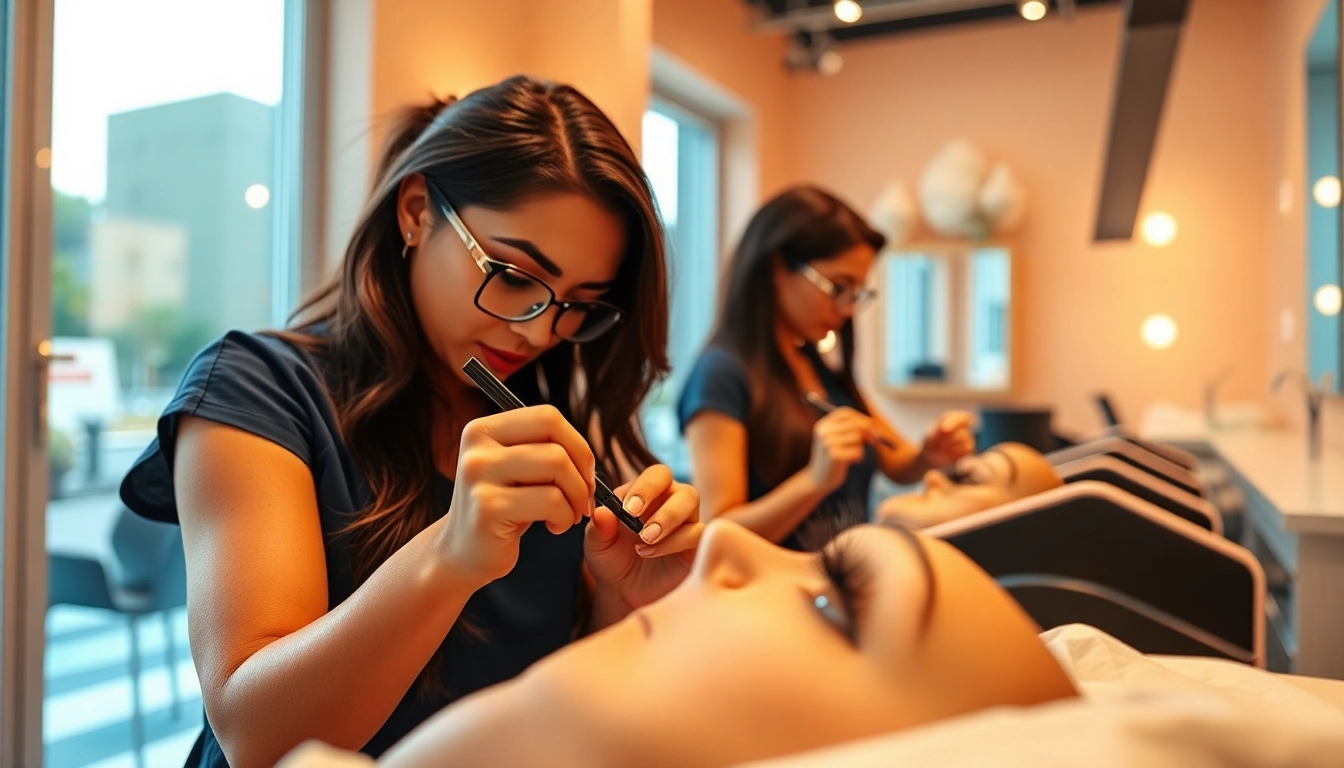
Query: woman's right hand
x=513 y=469
x=838 y=441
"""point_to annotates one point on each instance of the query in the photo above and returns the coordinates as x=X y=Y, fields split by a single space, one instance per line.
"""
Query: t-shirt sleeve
x=718 y=382
x=254 y=383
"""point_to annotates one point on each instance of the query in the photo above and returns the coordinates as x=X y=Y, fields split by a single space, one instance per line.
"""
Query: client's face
x=1007 y=472
x=763 y=652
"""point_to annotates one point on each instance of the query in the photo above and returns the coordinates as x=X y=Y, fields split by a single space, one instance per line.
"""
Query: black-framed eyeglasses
x=510 y=294
x=844 y=296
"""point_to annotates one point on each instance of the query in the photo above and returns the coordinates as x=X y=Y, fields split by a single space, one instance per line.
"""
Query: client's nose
x=730 y=556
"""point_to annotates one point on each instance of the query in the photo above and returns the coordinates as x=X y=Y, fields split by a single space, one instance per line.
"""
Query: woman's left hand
x=948 y=439
x=638 y=569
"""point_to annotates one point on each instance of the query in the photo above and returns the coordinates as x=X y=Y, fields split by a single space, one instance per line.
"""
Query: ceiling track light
x=814 y=52
x=848 y=11
x=1033 y=10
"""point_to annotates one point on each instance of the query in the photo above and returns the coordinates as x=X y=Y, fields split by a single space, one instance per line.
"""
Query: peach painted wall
x=1039 y=96
x=714 y=38
x=455 y=46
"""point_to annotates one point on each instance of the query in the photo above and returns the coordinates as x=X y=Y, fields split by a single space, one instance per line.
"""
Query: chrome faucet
x=1314 y=395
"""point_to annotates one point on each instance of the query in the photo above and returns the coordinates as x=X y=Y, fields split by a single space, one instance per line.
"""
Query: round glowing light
x=830 y=63
x=1033 y=10
x=848 y=11
x=1326 y=191
x=1159 y=229
x=1159 y=331
x=43 y=158
x=827 y=342
x=257 y=196
x=1328 y=300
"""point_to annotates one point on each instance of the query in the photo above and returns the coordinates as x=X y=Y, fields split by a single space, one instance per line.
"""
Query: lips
x=501 y=362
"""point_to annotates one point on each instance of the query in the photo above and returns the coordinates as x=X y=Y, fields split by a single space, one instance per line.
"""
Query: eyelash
x=961 y=476
x=850 y=579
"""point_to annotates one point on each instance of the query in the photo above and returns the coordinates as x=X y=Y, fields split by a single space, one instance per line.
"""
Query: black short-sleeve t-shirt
x=265 y=386
x=718 y=382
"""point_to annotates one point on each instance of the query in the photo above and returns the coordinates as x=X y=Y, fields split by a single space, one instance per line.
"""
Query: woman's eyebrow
x=930 y=595
x=533 y=252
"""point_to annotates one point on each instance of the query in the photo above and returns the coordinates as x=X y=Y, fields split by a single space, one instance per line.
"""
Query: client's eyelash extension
x=959 y=475
x=840 y=566
x=851 y=579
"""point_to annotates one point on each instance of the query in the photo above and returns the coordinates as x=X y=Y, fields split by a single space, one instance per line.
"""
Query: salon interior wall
x=1035 y=95
x=455 y=46
x=1039 y=96
x=713 y=38
x=1290 y=26
x=388 y=53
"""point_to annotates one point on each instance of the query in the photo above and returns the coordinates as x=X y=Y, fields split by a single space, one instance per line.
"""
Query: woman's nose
x=539 y=331
x=730 y=556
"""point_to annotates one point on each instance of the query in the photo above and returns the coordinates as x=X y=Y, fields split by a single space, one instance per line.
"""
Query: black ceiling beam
x=1152 y=31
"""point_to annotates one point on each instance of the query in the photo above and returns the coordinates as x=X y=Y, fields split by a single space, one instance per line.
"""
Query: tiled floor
x=87 y=709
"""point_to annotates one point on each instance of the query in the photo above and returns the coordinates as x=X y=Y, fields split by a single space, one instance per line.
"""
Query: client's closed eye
x=967 y=473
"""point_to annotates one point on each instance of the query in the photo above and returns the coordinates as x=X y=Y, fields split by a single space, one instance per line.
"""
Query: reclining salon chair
x=1146 y=486
x=1135 y=456
x=1091 y=553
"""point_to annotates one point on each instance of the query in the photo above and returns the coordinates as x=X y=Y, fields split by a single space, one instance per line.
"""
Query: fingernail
x=634 y=505
x=643 y=549
x=651 y=533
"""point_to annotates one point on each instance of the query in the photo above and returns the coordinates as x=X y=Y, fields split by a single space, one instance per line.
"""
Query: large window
x=172 y=167
x=681 y=158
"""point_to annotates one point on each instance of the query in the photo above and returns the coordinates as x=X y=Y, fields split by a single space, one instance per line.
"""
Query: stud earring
x=407 y=246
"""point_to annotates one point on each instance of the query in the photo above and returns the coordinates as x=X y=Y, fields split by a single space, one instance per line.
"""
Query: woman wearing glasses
x=761 y=454
x=366 y=539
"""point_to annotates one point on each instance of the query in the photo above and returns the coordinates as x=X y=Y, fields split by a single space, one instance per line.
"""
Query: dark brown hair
x=798 y=226
x=492 y=149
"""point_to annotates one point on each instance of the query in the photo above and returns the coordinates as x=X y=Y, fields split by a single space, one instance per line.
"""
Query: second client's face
x=1003 y=473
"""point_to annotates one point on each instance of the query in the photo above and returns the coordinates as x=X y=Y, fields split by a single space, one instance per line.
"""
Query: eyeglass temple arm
x=474 y=248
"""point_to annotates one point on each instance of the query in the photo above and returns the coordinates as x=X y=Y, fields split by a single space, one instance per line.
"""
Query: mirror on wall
x=1322 y=199
x=947 y=320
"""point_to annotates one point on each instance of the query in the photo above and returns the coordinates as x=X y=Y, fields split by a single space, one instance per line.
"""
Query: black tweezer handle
x=507 y=401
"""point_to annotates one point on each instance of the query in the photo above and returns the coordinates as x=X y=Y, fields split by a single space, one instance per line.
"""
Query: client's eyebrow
x=926 y=614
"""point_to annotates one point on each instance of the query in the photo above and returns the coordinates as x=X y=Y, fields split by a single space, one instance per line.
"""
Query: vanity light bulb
x=1032 y=10
x=1326 y=191
x=1328 y=300
x=848 y=11
x=1159 y=331
x=257 y=196
x=1159 y=229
